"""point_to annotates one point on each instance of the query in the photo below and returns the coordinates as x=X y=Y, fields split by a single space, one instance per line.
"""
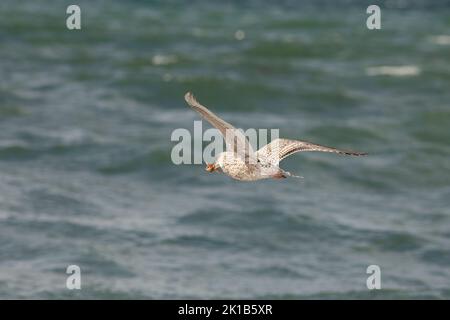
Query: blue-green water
x=86 y=176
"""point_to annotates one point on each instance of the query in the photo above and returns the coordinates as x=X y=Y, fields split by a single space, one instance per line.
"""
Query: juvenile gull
x=241 y=162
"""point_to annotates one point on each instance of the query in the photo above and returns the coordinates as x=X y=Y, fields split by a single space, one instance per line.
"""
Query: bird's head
x=211 y=167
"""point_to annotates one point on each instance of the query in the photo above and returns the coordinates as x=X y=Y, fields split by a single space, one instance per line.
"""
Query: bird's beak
x=210 y=167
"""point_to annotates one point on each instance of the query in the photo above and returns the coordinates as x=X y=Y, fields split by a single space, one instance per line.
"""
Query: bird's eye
x=259 y=161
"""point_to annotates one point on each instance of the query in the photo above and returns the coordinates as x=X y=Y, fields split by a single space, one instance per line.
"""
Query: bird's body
x=242 y=163
x=234 y=166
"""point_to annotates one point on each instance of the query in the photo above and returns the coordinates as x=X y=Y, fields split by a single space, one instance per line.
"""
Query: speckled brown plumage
x=241 y=162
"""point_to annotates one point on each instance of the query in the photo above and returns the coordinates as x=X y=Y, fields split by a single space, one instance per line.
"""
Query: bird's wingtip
x=190 y=99
x=188 y=96
x=354 y=153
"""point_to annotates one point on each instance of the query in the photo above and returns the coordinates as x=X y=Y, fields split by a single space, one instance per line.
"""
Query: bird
x=241 y=162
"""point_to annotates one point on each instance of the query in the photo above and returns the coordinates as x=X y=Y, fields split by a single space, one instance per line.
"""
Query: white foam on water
x=160 y=59
x=394 y=71
x=443 y=40
x=239 y=35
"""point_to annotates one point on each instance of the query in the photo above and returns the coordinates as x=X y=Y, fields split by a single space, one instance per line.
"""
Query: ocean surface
x=86 y=176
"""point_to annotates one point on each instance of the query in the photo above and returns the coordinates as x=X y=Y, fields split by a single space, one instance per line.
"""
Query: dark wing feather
x=234 y=138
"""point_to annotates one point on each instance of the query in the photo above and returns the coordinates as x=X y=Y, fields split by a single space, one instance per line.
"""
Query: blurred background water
x=86 y=176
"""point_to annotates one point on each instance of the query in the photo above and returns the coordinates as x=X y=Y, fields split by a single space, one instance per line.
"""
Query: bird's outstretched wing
x=279 y=149
x=234 y=138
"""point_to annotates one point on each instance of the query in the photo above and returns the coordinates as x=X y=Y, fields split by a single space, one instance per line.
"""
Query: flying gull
x=241 y=162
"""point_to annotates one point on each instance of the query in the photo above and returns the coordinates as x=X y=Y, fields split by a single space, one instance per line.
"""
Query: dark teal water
x=86 y=176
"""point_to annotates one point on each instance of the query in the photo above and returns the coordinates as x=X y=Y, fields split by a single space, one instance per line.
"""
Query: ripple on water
x=438 y=257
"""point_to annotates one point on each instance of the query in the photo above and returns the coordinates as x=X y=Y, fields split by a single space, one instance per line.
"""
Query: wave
x=394 y=71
